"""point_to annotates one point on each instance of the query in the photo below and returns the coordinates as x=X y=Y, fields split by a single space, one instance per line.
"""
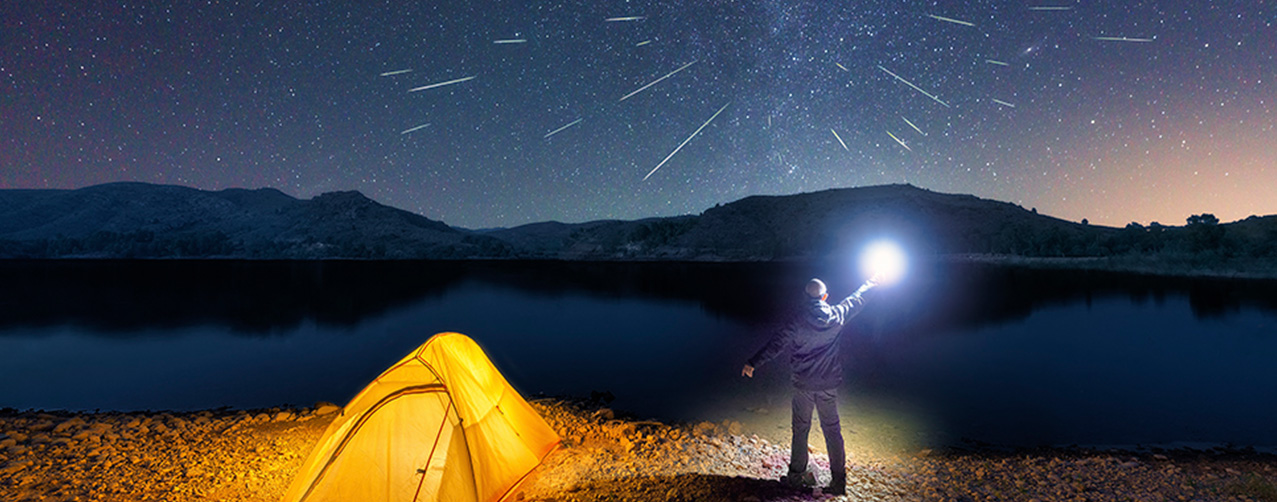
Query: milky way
x=487 y=114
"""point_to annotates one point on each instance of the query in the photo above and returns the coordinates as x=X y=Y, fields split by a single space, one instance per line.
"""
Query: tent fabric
x=442 y=424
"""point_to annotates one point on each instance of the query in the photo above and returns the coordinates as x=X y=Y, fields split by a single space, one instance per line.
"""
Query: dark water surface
x=954 y=354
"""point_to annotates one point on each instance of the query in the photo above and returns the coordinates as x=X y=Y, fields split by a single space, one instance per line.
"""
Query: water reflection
x=121 y=298
x=952 y=354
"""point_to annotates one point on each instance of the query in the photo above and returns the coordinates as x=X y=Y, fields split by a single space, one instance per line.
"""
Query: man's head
x=816 y=289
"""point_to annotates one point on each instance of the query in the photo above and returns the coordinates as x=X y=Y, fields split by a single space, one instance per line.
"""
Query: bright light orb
x=883 y=260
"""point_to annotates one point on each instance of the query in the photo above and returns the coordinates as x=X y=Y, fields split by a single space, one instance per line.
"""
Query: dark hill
x=813 y=226
x=144 y=220
x=155 y=221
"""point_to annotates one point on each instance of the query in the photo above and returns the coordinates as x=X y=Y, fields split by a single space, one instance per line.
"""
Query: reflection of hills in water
x=248 y=297
x=964 y=295
x=257 y=297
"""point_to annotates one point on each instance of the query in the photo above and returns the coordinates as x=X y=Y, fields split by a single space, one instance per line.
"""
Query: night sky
x=1110 y=111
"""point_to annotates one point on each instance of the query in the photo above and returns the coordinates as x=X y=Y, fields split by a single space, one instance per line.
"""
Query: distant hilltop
x=139 y=220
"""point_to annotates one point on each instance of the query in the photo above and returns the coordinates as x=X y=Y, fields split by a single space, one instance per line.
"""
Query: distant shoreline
x=1187 y=267
x=1184 y=267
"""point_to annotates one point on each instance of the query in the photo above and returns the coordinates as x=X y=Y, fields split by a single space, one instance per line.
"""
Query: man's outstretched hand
x=747 y=371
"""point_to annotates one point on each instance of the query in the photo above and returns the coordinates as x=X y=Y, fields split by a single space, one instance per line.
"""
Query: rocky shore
x=251 y=455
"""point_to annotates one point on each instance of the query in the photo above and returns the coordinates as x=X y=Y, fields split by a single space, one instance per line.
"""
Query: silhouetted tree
x=1204 y=232
x=1203 y=219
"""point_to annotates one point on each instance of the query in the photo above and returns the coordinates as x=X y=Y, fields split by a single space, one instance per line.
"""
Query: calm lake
x=952 y=355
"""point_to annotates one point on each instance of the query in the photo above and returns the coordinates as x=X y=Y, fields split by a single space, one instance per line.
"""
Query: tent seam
x=435 y=387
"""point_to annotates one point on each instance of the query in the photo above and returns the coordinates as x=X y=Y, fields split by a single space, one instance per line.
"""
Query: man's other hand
x=747 y=371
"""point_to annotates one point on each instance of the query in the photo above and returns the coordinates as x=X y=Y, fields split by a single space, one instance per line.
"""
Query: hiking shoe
x=805 y=479
x=837 y=485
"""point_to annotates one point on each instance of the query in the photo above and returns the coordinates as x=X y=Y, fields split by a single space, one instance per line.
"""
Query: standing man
x=812 y=337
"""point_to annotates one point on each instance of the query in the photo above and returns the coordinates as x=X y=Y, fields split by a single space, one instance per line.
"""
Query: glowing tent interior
x=441 y=424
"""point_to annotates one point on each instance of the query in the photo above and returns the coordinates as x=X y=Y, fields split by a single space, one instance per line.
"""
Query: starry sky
x=1111 y=111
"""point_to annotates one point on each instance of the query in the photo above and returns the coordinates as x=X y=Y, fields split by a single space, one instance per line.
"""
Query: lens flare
x=884 y=261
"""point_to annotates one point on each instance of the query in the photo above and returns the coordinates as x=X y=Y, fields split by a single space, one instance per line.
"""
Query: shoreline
x=1173 y=267
x=1153 y=266
x=251 y=455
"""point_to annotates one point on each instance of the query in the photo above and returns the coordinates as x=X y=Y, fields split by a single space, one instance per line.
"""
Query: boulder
x=64 y=426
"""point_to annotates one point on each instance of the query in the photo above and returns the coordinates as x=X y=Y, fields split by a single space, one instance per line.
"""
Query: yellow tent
x=442 y=424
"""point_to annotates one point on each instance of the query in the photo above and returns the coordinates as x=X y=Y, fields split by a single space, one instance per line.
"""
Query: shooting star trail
x=689 y=138
x=1122 y=39
x=654 y=82
x=411 y=129
x=624 y=19
x=396 y=72
x=844 y=145
x=511 y=41
x=1003 y=103
x=1049 y=7
x=996 y=62
x=913 y=126
x=645 y=42
x=916 y=88
x=902 y=143
x=441 y=84
x=556 y=131
x=950 y=20
x=844 y=68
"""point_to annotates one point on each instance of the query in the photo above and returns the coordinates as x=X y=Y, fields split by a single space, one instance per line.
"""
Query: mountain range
x=139 y=220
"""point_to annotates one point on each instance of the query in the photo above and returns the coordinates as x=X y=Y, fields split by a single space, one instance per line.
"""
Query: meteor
x=902 y=143
x=950 y=20
x=1049 y=7
x=624 y=19
x=652 y=83
x=689 y=138
x=556 y=131
x=913 y=126
x=645 y=42
x=1003 y=103
x=411 y=129
x=916 y=88
x=844 y=145
x=511 y=41
x=844 y=68
x=1122 y=39
x=396 y=72
x=441 y=84
x=996 y=62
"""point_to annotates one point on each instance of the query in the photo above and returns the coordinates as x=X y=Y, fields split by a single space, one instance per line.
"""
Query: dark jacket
x=812 y=338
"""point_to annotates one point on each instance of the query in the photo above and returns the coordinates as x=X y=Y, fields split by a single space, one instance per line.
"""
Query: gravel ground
x=252 y=455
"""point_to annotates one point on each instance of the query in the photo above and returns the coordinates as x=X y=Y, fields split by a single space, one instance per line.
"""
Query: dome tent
x=441 y=424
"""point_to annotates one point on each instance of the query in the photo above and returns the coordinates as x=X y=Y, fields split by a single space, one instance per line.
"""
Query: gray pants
x=825 y=404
